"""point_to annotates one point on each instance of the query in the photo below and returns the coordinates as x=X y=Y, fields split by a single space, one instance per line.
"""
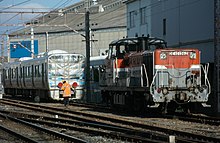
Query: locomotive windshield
x=127 y=45
x=117 y=51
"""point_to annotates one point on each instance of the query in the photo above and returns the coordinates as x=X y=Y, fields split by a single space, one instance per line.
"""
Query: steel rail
x=51 y=132
x=179 y=134
x=17 y=135
x=123 y=132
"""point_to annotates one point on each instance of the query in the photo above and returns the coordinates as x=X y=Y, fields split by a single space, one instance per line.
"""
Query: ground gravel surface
x=175 y=124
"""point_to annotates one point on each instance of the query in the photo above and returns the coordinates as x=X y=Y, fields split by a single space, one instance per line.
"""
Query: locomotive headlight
x=165 y=91
x=192 y=55
x=196 y=90
x=163 y=56
x=201 y=89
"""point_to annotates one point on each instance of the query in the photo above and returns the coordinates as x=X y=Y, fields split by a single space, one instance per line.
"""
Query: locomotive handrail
x=205 y=69
x=146 y=75
x=116 y=64
x=115 y=73
x=151 y=85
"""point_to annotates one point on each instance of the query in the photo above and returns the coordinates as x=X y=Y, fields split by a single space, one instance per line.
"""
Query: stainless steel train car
x=38 y=77
x=96 y=65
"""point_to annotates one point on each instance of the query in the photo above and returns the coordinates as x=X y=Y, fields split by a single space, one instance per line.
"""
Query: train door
x=16 y=76
x=32 y=75
x=1 y=84
x=42 y=75
x=10 y=76
x=20 y=76
x=110 y=66
x=24 y=76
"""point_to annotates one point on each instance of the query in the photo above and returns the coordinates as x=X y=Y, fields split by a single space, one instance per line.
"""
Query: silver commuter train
x=38 y=77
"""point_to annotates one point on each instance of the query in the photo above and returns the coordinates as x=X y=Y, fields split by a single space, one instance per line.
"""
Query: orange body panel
x=177 y=58
x=120 y=63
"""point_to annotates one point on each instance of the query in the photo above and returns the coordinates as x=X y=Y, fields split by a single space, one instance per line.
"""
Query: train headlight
x=60 y=85
x=163 y=56
x=158 y=90
x=196 y=90
x=192 y=55
x=201 y=89
x=191 y=89
x=165 y=91
x=75 y=84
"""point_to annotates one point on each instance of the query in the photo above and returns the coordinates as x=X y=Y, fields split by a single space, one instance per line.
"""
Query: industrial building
x=65 y=28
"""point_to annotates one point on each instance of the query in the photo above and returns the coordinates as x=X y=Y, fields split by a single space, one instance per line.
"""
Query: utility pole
x=217 y=52
x=2 y=50
x=32 y=42
x=8 y=46
x=87 y=38
x=47 y=44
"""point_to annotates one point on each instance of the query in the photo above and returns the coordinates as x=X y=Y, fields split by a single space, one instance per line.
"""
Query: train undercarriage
x=142 y=102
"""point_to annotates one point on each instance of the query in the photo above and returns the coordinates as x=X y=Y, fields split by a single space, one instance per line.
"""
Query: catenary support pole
x=47 y=44
x=32 y=42
x=8 y=46
x=87 y=32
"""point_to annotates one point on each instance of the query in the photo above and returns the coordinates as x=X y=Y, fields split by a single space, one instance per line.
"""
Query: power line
x=15 y=5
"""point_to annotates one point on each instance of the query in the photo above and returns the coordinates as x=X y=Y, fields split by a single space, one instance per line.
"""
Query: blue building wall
x=18 y=51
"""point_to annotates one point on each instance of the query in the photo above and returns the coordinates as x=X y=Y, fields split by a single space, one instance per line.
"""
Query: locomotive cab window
x=120 y=51
x=117 y=51
x=111 y=52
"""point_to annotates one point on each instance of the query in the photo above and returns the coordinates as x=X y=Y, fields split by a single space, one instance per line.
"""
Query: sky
x=9 y=17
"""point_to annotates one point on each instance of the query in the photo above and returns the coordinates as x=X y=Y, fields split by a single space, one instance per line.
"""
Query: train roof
x=179 y=49
x=151 y=40
x=25 y=58
x=56 y=52
x=97 y=60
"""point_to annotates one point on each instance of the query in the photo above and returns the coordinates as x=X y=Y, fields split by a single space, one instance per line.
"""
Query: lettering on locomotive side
x=179 y=53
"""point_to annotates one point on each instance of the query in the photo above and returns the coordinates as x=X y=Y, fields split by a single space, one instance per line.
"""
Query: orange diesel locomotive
x=179 y=78
x=142 y=72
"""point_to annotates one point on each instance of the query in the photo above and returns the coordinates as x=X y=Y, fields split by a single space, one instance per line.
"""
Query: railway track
x=89 y=126
x=115 y=124
x=17 y=136
x=196 y=119
x=185 y=117
x=33 y=133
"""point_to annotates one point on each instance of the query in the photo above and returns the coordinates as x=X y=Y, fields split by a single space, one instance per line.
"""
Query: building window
x=143 y=15
x=132 y=19
x=164 y=26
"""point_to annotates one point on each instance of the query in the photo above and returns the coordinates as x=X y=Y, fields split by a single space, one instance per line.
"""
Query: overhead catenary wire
x=15 y=5
x=19 y=26
x=57 y=6
x=153 y=5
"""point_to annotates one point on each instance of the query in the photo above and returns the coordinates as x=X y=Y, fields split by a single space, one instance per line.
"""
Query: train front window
x=111 y=52
x=56 y=58
x=120 y=51
x=66 y=65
